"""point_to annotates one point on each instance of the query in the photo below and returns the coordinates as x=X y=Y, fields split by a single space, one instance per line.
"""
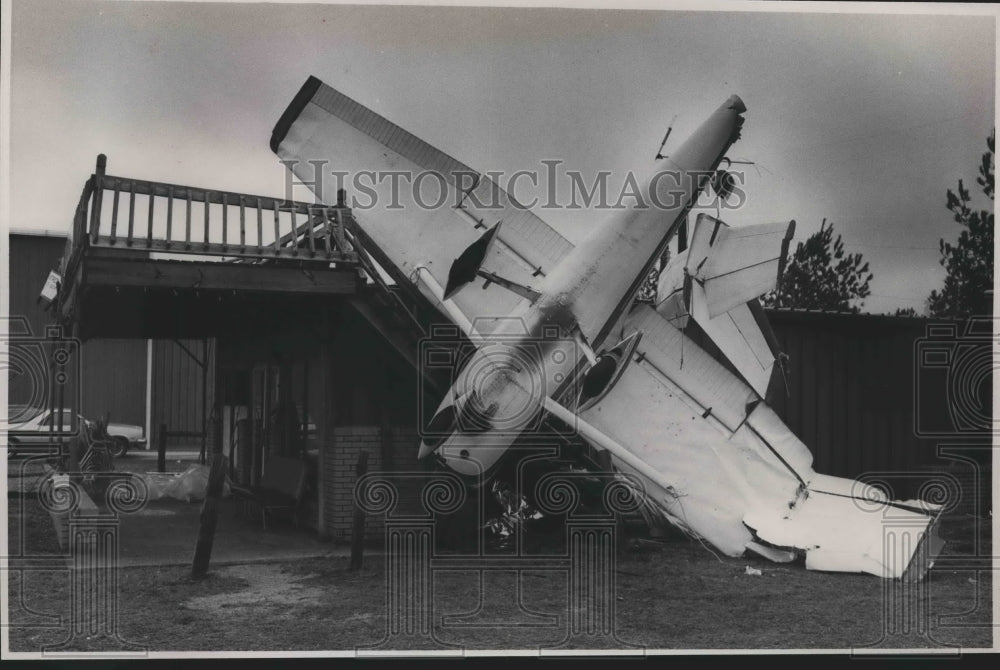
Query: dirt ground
x=672 y=594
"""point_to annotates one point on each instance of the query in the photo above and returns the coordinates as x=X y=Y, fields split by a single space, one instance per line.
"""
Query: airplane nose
x=736 y=103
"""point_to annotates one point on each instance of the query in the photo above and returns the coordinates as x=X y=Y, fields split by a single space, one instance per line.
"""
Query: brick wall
x=398 y=453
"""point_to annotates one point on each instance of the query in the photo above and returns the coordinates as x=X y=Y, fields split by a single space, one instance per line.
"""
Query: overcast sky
x=866 y=120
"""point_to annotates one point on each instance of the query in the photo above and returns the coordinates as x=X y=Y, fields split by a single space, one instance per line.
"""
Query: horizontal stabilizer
x=716 y=281
x=736 y=265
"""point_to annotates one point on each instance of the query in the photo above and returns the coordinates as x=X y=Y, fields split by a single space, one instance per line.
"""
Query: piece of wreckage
x=557 y=332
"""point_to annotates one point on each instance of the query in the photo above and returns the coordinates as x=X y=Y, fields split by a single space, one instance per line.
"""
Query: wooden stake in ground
x=161 y=449
x=358 y=525
x=209 y=515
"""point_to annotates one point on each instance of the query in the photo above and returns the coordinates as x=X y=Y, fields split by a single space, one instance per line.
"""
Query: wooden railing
x=136 y=217
x=119 y=212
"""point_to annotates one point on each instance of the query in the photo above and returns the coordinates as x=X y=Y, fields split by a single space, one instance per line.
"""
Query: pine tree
x=968 y=262
x=821 y=277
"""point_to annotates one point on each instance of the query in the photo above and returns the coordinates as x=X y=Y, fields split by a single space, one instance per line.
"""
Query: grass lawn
x=668 y=595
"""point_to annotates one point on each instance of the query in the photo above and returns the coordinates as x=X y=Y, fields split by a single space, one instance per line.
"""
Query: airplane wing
x=716 y=461
x=436 y=208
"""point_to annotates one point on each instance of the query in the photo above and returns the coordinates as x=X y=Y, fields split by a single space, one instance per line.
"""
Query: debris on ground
x=187 y=486
x=514 y=510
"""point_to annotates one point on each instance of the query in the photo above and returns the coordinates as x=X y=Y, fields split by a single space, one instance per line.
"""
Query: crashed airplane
x=674 y=391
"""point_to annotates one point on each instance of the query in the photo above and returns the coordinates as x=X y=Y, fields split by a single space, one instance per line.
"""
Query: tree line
x=820 y=276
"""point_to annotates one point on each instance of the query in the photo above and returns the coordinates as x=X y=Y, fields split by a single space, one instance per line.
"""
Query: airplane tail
x=736 y=476
x=716 y=282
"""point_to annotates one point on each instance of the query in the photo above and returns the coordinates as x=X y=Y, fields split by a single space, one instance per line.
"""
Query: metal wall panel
x=114 y=380
x=851 y=390
x=31 y=258
x=113 y=372
x=178 y=400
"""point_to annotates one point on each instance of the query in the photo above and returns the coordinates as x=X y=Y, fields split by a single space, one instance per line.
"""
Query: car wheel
x=119 y=447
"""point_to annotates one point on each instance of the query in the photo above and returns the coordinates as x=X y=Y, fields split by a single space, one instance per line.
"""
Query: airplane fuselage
x=541 y=347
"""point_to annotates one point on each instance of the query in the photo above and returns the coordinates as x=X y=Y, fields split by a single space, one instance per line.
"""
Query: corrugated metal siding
x=851 y=390
x=113 y=372
x=178 y=401
x=31 y=258
x=114 y=380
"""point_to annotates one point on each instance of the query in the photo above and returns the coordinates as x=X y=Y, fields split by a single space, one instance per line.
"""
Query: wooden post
x=170 y=215
x=310 y=235
x=161 y=449
x=114 y=213
x=327 y=240
x=213 y=493
x=187 y=222
x=260 y=228
x=277 y=231
x=209 y=514
x=243 y=225
x=204 y=402
x=225 y=222
x=131 y=214
x=358 y=524
x=95 y=210
x=149 y=220
x=208 y=203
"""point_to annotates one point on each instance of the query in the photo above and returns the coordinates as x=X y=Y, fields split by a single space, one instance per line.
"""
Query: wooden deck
x=137 y=243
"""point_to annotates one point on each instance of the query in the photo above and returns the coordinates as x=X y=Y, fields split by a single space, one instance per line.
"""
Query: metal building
x=141 y=382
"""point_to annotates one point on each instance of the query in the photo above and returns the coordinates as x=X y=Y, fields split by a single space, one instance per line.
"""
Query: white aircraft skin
x=582 y=298
x=711 y=457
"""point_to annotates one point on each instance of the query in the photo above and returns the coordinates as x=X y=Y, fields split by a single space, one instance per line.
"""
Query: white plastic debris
x=753 y=572
x=190 y=484
x=157 y=484
x=187 y=486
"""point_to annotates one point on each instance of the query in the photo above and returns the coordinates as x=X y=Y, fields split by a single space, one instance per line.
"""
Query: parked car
x=126 y=436
x=34 y=434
